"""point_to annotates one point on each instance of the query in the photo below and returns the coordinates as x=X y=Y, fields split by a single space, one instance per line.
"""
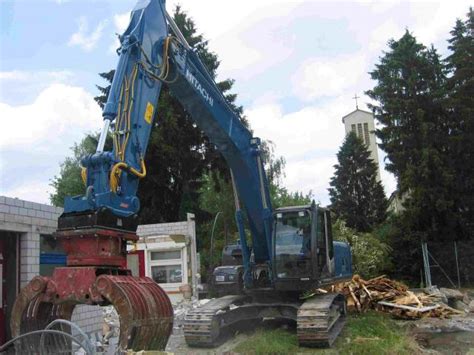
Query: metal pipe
x=262 y=183
x=457 y=263
x=234 y=189
x=212 y=236
x=103 y=136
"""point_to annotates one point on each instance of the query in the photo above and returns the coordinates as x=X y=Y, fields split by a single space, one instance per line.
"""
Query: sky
x=296 y=64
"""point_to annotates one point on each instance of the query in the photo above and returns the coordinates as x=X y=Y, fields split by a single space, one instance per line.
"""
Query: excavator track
x=320 y=320
x=202 y=326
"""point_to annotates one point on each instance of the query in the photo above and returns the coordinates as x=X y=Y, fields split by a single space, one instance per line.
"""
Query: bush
x=370 y=256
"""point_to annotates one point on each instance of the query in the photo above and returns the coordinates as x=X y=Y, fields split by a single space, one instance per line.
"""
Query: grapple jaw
x=144 y=309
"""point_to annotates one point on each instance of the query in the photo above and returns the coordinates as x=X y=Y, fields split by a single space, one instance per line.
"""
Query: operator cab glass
x=293 y=244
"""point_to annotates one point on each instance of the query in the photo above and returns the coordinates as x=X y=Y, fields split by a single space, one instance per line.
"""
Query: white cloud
x=435 y=20
x=85 y=39
x=121 y=22
x=308 y=139
x=24 y=75
x=59 y=114
x=379 y=37
x=35 y=138
x=321 y=77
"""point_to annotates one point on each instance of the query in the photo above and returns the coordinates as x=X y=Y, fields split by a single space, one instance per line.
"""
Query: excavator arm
x=153 y=51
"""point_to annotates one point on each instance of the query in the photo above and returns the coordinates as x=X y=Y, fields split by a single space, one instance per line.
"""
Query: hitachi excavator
x=288 y=250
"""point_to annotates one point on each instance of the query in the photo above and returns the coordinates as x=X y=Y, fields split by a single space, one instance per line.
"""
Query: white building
x=166 y=252
x=362 y=124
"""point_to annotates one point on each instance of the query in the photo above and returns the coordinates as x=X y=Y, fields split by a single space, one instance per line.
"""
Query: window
x=167 y=274
x=353 y=128
x=167 y=266
x=165 y=255
x=359 y=130
x=52 y=255
x=366 y=133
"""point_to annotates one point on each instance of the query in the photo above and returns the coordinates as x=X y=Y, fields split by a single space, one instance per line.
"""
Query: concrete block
x=4 y=208
x=37 y=206
x=2 y=199
x=2 y=217
x=30 y=244
x=44 y=208
x=15 y=218
x=53 y=223
x=17 y=202
x=25 y=219
x=31 y=212
x=14 y=210
x=43 y=222
x=48 y=215
x=35 y=221
x=39 y=214
x=10 y=201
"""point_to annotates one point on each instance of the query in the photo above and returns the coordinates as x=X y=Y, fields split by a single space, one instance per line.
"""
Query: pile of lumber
x=386 y=295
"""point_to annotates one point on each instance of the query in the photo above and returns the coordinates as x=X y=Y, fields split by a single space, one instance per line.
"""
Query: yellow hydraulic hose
x=84 y=175
x=116 y=170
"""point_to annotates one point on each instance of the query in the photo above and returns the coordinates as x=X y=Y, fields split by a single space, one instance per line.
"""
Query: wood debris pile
x=386 y=295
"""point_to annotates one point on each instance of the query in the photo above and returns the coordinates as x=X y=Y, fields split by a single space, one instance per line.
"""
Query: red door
x=3 y=324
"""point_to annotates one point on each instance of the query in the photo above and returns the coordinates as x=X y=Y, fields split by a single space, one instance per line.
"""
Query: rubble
x=386 y=295
x=111 y=325
x=451 y=293
x=184 y=306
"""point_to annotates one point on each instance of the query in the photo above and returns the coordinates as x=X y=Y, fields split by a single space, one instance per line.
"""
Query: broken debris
x=386 y=295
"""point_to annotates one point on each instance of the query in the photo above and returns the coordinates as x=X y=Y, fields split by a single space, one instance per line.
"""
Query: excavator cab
x=303 y=247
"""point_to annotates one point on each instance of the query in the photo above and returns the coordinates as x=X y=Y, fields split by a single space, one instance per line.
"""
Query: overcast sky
x=297 y=65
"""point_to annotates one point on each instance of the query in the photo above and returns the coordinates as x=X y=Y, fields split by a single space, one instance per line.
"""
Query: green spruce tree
x=356 y=194
x=460 y=105
x=409 y=94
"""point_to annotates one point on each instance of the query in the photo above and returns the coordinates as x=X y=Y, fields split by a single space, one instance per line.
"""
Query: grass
x=368 y=333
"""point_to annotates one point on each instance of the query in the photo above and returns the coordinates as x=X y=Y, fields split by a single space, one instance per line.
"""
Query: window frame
x=168 y=262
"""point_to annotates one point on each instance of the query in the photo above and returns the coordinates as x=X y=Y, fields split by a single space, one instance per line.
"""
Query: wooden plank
x=409 y=308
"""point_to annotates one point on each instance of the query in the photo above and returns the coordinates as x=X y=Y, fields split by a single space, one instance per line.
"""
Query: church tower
x=362 y=124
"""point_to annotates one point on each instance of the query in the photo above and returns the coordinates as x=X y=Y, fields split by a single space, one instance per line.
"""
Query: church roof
x=357 y=109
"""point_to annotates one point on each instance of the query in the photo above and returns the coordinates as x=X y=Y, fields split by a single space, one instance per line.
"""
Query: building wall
x=360 y=117
x=30 y=220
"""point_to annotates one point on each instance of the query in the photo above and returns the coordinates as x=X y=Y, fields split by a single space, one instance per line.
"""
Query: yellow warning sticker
x=149 y=112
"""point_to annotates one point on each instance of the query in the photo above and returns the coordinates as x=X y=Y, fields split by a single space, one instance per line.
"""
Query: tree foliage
x=410 y=91
x=370 y=255
x=69 y=182
x=356 y=194
x=460 y=110
x=425 y=108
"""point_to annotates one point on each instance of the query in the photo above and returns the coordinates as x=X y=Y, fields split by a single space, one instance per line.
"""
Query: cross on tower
x=355 y=98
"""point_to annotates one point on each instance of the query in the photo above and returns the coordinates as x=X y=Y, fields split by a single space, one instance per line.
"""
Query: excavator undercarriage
x=319 y=320
x=96 y=274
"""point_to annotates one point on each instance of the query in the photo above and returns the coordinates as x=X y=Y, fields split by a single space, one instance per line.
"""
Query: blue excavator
x=287 y=252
